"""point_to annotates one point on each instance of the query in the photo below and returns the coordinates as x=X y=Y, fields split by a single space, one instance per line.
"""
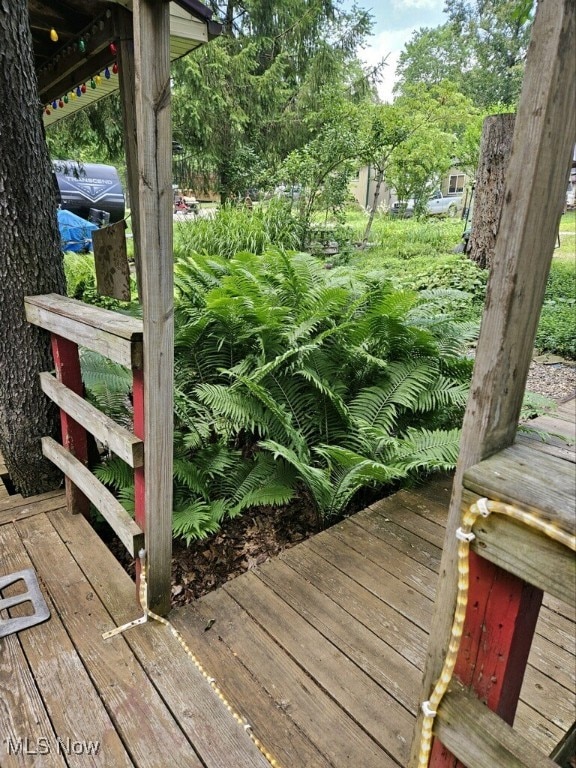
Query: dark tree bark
x=30 y=258
x=495 y=149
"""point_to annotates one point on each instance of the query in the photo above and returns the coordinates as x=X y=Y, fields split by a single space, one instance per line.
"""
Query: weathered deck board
x=72 y=703
x=286 y=686
x=320 y=649
x=201 y=716
x=131 y=700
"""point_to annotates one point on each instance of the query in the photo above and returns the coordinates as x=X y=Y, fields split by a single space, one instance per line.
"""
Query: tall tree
x=481 y=48
x=246 y=95
x=495 y=149
x=30 y=258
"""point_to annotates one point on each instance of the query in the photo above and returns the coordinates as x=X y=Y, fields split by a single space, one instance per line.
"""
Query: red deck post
x=67 y=362
x=139 y=486
x=500 y=622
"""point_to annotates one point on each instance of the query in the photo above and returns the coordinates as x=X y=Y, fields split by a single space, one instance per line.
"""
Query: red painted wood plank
x=67 y=362
x=500 y=621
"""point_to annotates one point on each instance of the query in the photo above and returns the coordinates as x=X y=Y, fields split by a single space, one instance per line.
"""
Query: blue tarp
x=75 y=232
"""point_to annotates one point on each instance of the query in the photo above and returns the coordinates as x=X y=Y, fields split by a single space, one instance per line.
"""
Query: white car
x=437 y=205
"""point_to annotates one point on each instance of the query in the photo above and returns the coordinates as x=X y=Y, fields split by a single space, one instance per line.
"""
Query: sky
x=395 y=20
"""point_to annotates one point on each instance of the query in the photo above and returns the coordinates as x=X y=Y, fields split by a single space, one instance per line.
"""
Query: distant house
x=363 y=187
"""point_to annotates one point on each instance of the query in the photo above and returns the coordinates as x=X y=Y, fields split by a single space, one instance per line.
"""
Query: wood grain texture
x=317 y=715
x=331 y=570
x=116 y=336
x=218 y=739
x=119 y=440
x=73 y=705
x=142 y=719
x=379 y=660
x=109 y=507
x=533 y=202
x=372 y=707
x=480 y=738
x=155 y=201
x=535 y=482
x=289 y=745
x=32 y=506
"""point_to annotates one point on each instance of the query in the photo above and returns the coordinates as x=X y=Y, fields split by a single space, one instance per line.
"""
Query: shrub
x=289 y=377
x=235 y=228
x=557 y=321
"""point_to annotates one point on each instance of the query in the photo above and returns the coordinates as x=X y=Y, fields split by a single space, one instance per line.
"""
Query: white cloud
x=387 y=44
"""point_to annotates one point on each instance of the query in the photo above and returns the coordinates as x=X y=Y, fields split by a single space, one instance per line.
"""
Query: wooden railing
x=119 y=337
x=533 y=197
x=511 y=565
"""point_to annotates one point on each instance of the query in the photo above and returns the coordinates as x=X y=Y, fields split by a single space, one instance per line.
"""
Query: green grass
x=418 y=255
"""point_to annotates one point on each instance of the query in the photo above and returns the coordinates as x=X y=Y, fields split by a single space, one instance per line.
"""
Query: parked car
x=437 y=205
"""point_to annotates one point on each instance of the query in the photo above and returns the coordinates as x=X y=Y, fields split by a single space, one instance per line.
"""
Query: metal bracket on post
x=33 y=595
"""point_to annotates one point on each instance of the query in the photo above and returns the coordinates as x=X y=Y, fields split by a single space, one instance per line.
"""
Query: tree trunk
x=495 y=149
x=379 y=180
x=30 y=258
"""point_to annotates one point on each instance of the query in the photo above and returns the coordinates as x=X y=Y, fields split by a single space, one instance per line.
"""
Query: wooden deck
x=320 y=649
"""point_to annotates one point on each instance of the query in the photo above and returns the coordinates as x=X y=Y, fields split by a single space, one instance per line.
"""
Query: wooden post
x=500 y=623
x=74 y=439
x=533 y=201
x=154 y=140
x=127 y=82
x=139 y=475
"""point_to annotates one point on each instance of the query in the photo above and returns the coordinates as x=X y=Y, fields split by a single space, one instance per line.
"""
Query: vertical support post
x=127 y=82
x=533 y=202
x=67 y=362
x=154 y=140
x=500 y=623
x=139 y=472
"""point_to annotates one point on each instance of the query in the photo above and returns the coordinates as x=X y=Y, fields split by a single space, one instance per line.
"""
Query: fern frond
x=441 y=393
x=426 y=449
x=115 y=472
x=198 y=519
x=316 y=479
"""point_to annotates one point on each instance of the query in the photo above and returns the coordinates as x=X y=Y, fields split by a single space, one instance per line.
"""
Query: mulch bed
x=240 y=544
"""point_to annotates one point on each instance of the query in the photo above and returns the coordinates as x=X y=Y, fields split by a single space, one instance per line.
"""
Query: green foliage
x=558 y=318
x=291 y=378
x=481 y=49
x=240 y=104
x=235 y=229
x=417 y=255
x=91 y=135
x=81 y=283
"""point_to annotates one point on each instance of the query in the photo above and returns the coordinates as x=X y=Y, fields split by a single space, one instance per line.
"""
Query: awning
x=75 y=50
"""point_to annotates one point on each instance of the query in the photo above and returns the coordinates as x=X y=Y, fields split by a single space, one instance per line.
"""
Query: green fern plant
x=342 y=380
x=291 y=379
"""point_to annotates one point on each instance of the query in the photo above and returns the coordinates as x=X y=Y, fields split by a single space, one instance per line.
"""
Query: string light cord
x=482 y=507
x=143 y=597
